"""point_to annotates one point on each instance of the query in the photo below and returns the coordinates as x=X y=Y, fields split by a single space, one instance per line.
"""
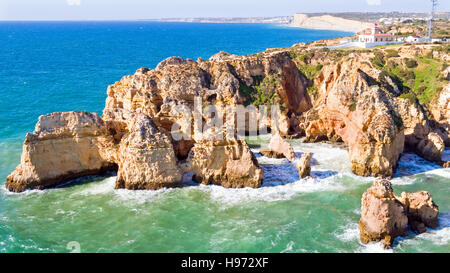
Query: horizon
x=136 y=10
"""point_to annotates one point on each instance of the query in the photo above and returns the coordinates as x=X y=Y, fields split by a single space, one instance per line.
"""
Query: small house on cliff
x=376 y=36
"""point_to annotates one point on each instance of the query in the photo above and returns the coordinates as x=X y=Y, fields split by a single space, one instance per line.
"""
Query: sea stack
x=385 y=216
x=304 y=165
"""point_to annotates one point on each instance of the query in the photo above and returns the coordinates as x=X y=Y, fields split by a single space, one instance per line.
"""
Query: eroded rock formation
x=304 y=165
x=62 y=147
x=385 y=216
x=351 y=108
x=280 y=146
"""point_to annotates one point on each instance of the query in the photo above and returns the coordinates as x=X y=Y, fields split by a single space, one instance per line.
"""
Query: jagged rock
x=304 y=165
x=62 y=147
x=446 y=164
x=383 y=217
x=431 y=147
x=146 y=158
x=440 y=111
x=349 y=107
x=271 y=154
x=420 y=209
x=230 y=164
x=420 y=137
x=280 y=146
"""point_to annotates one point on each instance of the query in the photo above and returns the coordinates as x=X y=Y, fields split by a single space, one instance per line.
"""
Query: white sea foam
x=103 y=187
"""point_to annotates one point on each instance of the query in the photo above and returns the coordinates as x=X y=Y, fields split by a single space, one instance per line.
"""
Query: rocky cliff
x=147 y=132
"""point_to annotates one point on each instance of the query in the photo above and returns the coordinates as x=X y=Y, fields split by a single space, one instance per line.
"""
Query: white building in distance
x=376 y=36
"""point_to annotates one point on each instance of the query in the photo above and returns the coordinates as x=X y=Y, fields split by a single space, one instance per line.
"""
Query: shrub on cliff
x=410 y=63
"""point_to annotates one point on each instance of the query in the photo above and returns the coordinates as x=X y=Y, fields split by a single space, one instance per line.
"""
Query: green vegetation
x=410 y=63
x=263 y=91
x=352 y=107
x=310 y=70
x=378 y=60
x=391 y=53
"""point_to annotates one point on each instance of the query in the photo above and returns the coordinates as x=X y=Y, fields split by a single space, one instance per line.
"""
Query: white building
x=376 y=36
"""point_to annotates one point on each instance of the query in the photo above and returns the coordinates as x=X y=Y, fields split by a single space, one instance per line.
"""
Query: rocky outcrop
x=385 y=216
x=440 y=111
x=63 y=146
x=422 y=212
x=304 y=165
x=271 y=154
x=146 y=158
x=280 y=146
x=420 y=137
x=230 y=164
x=351 y=108
x=431 y=147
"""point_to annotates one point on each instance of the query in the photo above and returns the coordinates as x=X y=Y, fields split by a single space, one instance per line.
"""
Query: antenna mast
x=434 y=4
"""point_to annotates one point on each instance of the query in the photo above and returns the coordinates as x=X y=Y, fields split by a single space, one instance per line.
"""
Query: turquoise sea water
x=47 y=67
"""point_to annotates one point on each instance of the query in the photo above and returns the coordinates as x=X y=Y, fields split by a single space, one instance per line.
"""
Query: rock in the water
x=146 y=158
x=62 y=147
x=304 y=165
x=230 y=164
x=431 y=147
x=271 y=154
x=446 y=164
x=420 y=209
x=383 y=217
x=280 y=146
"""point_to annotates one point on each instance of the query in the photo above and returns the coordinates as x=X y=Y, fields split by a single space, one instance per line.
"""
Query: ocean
x=63 y=66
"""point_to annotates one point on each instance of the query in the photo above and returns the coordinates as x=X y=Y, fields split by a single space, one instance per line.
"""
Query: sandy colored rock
x=230 y=164
x=280 y=146
x=304 y=165
x=350 y=108
x=446 y=164
x=420 y=209
x=62 y=147
x=271 y=154
x=432 y=147
x=146 y=158
x=383 y=217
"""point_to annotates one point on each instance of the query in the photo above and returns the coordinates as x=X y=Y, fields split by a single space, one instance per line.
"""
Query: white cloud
x=373 y=2
x=73 y=2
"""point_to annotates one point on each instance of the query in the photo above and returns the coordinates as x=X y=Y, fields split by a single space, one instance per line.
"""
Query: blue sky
x=141 y=9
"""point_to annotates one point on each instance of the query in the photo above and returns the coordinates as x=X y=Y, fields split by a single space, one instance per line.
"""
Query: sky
x=153 y=9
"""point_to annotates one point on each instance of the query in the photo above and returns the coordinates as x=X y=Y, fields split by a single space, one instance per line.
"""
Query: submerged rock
x=271 y=154
x=304 y=165
x=385 y=216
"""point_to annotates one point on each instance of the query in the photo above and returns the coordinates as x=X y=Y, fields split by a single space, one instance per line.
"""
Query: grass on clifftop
x=417 y=78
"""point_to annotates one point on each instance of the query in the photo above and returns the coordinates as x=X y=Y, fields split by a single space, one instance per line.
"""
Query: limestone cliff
x=329 y=22
x=324 y=95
